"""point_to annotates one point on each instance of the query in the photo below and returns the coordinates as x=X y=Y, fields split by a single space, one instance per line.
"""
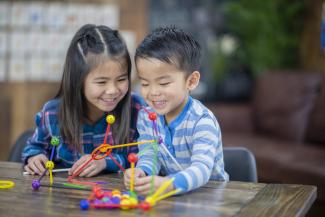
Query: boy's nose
x=154 y=91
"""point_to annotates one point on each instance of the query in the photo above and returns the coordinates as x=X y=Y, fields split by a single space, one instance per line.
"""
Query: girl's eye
x=144 y=85
x=121 y=79
x=100 y=82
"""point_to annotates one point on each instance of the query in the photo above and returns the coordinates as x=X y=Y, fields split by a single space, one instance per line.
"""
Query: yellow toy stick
x=50 y=165
x=132 y=177
x=162 y=188
x=51 y=177
x=169 y=194
x=132 y=158
x=105 y=148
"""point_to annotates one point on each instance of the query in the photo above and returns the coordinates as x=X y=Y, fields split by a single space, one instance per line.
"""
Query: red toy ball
x=145 y=206
x=132 y=158
x=152 y=116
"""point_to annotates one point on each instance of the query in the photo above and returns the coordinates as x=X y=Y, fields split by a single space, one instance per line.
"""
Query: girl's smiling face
x=104 y=87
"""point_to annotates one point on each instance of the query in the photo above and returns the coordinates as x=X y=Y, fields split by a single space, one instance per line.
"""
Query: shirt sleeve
x=147 y=156
x=206 y=156
x=38 y=143
x=111 y=160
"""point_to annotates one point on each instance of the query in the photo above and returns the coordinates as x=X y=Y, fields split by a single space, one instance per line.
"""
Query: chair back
x=240 y=164
x=17 y=149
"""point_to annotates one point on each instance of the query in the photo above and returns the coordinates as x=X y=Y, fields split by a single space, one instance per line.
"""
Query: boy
x=167 y=63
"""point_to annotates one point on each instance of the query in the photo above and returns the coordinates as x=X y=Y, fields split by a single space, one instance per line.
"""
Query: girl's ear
x=193 y=80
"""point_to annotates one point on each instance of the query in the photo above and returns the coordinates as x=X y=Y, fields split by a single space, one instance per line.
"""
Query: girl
x=95 y=82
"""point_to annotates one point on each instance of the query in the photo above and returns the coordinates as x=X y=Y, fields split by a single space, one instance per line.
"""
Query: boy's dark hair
x=173 y=46
x=91 y=46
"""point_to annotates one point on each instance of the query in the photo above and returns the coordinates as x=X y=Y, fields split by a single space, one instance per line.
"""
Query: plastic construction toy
x=110 y=199
x=36 y=183
x=5 y=184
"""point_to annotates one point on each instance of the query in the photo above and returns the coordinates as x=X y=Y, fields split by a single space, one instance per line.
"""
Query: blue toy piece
x=84 y=204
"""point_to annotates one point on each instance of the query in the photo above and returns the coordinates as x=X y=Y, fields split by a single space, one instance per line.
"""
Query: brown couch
x=283 y=125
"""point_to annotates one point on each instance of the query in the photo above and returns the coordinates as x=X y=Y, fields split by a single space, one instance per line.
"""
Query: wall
x=20 y=101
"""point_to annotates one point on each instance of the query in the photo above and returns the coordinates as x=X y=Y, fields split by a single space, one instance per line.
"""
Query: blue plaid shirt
x=93 y=136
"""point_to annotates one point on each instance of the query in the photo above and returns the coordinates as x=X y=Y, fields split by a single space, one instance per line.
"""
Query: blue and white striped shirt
x=93 y=136
x=193 y=139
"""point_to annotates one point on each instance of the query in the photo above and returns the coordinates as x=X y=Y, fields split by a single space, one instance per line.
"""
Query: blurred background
x=263 y=70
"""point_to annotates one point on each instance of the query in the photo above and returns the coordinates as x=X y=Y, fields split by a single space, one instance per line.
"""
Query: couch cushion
x=280 y=161
x=283 y=102
x=316 y=127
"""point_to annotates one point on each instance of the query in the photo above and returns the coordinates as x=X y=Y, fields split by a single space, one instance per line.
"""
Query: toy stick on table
x=53 y=171
x=132 y=158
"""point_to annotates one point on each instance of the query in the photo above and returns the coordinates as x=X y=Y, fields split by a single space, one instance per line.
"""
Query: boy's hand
x=143 y=185
x=137 y=174
x=36 y=164
x=92 y=169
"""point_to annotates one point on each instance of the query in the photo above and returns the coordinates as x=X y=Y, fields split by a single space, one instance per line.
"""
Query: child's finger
x=93 y=171
x=77 y=165
x=126 y=181
x=140 y=181
x=137 y=173
x=35 y=168
x=87 y=170
x=43 y=158
x=143 y=189
x=127 y=173
x=30 y=171
x=41 y=167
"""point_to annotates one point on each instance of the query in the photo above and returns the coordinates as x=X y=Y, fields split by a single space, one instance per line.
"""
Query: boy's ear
x=193 y=80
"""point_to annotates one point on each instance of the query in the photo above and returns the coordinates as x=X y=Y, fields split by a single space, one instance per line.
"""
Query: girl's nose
x=111 y=89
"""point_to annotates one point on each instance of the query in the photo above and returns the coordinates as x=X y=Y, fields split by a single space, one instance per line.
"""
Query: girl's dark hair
x=91 y=46
x=173 y=46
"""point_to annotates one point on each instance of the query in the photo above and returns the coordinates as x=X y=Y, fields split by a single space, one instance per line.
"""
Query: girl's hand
x=92 y=169
x=36 y=164
x=127 y=176
x=143 y=185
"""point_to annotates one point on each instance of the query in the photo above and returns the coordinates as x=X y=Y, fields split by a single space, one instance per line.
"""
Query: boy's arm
x=147 y=157
x=207 y=148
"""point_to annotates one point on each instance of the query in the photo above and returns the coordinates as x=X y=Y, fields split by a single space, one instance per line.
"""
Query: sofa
x=283 y=125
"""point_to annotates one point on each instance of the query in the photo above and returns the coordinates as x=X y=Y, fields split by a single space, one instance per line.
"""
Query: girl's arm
x=39 y=142
x=112 y=166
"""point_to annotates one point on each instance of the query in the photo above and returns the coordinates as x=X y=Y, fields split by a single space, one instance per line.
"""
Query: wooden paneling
x=312 y=56
x=19 y=104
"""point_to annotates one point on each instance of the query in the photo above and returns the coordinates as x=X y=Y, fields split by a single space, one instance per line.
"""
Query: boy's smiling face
x=164 y=87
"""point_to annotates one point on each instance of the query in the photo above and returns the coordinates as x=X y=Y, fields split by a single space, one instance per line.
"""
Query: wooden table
x=214 y=199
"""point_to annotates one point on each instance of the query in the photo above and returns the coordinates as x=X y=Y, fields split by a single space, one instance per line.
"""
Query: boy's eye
x=144 y=85
x=164 y=84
